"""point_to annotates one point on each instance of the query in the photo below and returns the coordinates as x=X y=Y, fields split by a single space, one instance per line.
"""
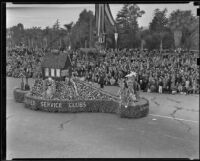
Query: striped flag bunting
x=103 y=18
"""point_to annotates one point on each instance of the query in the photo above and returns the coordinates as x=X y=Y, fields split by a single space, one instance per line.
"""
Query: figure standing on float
x=129 y=90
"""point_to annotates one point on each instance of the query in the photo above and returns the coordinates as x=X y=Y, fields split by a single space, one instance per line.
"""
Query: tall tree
x=159 y=24
x=56 y=26
x=17 y=34
x=194 y=36
x=191 y=35
x=180 y=23
x=80 y=33
x=127 y=25
x=143 y=34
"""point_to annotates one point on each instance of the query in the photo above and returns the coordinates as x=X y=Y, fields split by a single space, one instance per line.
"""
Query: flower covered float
x=131 y=104
x=69 y=94
x=78 y=96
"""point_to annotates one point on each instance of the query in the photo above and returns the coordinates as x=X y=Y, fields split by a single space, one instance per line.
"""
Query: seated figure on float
x=49 y=88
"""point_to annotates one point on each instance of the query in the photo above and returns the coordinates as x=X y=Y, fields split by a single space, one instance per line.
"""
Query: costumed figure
x=49 y=88
x=67 y=80
x=74 y=87
x=136 y=86
x=22 y=76
x=132 y=94
x=122 y=92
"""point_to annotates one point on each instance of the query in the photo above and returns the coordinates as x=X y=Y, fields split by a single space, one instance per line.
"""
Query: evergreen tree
x=81 y=31
x=159 y=25
x=127 y=25
x=180 y=23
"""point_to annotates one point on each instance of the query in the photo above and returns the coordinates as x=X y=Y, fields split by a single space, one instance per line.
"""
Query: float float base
x=139 y=109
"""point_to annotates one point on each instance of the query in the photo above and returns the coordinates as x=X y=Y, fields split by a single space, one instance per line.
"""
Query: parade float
x=58 y=91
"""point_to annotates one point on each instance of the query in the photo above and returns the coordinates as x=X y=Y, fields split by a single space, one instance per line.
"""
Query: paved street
x=171 y=130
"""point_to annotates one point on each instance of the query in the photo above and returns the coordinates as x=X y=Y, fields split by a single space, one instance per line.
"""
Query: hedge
x=106 y=106
x=19 y=95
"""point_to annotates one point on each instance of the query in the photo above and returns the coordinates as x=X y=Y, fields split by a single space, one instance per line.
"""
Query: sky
x=46 y=15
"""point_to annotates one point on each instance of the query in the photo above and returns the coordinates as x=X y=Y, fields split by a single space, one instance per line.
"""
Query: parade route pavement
x=171 y=130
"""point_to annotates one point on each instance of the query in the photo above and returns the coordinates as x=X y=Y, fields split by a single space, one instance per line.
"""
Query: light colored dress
x=131 y=96
x=123 y=95
x=49 y=92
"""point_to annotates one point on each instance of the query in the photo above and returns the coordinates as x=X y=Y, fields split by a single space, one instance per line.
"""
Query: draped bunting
x=103 y=18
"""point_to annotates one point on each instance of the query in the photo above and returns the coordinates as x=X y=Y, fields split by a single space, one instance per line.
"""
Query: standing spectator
x=173 y=85
x=187 y=83
x=194 y=85
x=168 y=84
x=180 y=87
x=112 y=81
x=101 y=81
x=106 y=80
x=160 y=85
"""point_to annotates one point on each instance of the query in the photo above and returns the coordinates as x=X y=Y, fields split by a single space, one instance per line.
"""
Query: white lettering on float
x=76 y=104
x=59 y=105
x=50 y=104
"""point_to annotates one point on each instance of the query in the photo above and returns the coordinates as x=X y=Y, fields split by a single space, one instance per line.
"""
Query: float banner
x=107 y=106
x=137 y=110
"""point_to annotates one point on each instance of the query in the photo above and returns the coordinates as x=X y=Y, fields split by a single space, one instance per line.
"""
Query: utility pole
x=105 y=41
x=90 y=31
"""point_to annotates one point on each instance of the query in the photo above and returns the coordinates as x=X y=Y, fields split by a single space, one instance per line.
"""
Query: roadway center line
x=174 y=118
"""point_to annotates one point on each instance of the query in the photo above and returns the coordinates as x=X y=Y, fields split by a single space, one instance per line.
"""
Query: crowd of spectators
x=169 y=72
x=22 y=60
x=166 y=72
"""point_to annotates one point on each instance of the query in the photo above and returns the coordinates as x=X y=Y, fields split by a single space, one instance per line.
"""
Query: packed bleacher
x=175 y=72
x=19 y=59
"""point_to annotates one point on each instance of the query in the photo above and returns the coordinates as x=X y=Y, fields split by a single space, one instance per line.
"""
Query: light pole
x=116 y=36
